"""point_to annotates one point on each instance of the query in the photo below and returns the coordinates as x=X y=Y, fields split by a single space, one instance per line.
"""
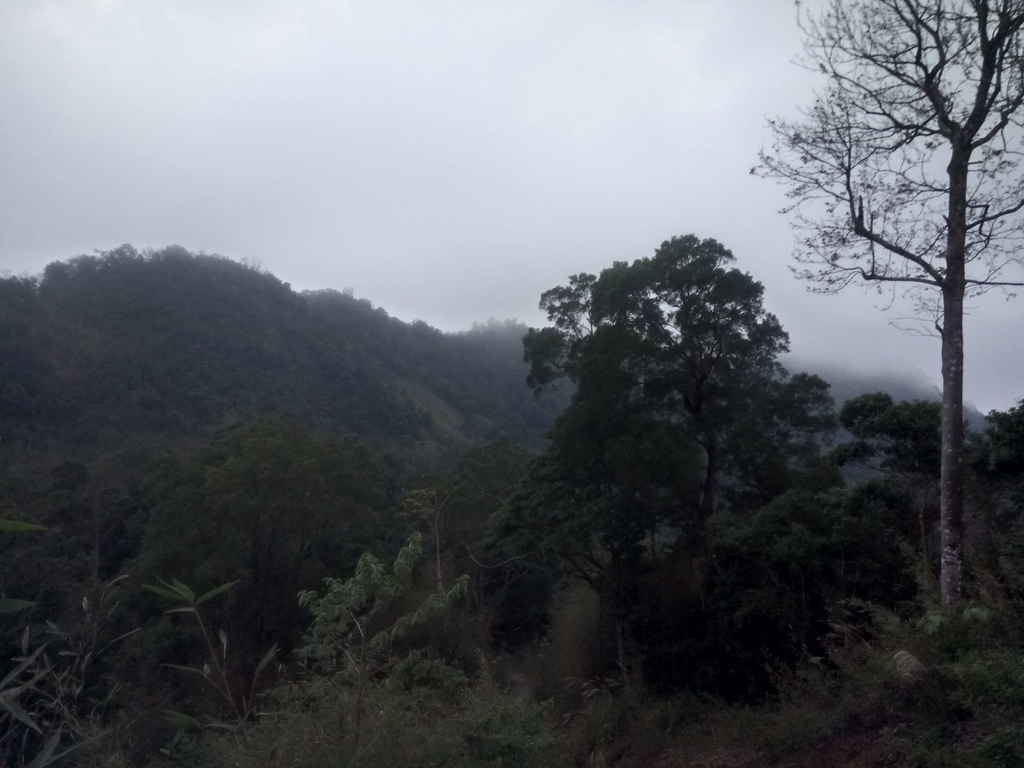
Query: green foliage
x=680 y=393
x=213 y=670
x=1000 y=461
x=555 y=510
x=715 y=547
x=274 y=509
x=419 y=669
x=904 y=437
x=511 y=733
x=169 y=346
x=475 y=727
x=775 y=578
x=1005 y=748
x=1006 y=440
x=452 y=512
x=845 y=540
x=902 y=440
x=343 y=619
x=17 y=526
x=681 y=408
x=986 y=679
x=10 y=604
x=55 y=704
x=351 y=632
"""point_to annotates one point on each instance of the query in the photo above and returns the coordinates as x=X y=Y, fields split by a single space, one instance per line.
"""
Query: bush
x=312 y=725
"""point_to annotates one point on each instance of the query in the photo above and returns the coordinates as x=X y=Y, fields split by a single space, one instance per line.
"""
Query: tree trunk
x=951 y=482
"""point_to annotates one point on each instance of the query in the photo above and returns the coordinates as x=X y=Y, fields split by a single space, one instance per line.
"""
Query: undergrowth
x=312 y=724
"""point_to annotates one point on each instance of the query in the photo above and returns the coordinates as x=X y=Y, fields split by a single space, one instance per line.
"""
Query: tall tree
x=906 y=171
x=681 y=410
x=680 y=340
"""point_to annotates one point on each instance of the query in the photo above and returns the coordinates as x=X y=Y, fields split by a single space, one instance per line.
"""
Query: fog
x=448 y=161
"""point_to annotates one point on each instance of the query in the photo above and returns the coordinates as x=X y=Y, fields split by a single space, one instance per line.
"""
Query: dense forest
x=172 y=345
x=243 y=525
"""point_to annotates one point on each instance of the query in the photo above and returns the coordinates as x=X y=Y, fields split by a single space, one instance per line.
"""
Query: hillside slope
x=171 y=345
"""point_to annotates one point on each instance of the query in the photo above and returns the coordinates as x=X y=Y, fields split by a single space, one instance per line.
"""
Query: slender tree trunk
x=951 y=483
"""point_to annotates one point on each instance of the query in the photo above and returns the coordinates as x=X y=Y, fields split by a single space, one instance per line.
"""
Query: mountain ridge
x=176 y=345
x=171 y=346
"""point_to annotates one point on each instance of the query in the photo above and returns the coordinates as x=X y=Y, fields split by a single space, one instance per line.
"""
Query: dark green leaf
x=215 y=591
x=10 y=605
x=17 y=526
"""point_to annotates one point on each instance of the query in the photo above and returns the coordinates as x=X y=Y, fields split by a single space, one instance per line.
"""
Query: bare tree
x=906 y=171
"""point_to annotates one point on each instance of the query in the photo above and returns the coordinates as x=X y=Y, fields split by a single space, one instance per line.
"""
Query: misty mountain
x=847 y=384
x=103 y=353
x=103 y=350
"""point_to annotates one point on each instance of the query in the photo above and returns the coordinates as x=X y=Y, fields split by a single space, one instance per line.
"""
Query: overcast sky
x=447 y=160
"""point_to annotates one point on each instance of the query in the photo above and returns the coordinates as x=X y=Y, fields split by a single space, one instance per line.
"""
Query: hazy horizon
x=449 y=162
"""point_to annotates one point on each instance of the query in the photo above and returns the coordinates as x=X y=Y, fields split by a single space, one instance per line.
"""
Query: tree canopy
x=681 y=408
x=681 y=340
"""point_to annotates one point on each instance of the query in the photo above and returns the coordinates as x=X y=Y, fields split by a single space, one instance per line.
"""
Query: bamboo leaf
x=17 y=526
x=164 y=592
x=10 y=605
x=266 y=660
x=11 y=693
x=190 y=670
x=15 y=673
x=11 y=706
x=43 y=758
x=215 y=591
x=181 y=720
x=222 y=726
x=184 y=590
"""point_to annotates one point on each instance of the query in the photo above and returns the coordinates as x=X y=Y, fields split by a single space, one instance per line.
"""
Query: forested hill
x=100 y=351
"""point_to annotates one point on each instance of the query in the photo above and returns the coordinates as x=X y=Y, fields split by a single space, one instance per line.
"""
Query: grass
x=311 y=724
